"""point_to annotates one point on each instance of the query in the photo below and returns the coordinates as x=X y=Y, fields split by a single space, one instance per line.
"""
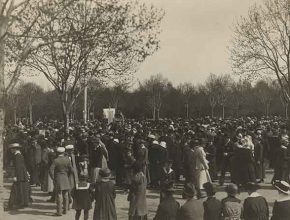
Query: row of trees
x=156 y=97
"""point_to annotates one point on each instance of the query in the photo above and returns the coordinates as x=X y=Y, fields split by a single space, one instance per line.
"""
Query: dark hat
x=105 y=173
x=209 y=189
x=167 y=186
x=232 y=189
x=84 y=156
x=189 y=190
x=251 y=186
x=282 y=187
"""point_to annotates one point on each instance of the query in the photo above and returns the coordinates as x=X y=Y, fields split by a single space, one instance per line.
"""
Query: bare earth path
x=42 y=210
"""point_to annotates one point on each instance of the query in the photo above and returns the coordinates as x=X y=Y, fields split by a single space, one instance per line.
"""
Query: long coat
x=105 y=201
x=73 y=178
x=137 y=196
x=20 y=191
x=191 y=210
x=201 y=167
x=60 y=170
x=259 y=160
x=167 y=209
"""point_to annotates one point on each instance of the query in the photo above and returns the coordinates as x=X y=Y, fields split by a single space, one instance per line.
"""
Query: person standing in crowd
x=83 y=165
x=188 y=162
x=82 y=198
x=227 y=150
x=281 y=208
x=211 y=158
x=255 y=206
x=20 y=191
x=166 y=175
x=201 y=167
x=73 y=179
x=129 y=160
x=281 y=170
x=98 y=156
x=168 y=208
x=192 y=208
x=137 y=195
x=60 y=172
x=105 y=197
x=232 y=207
x=212 y=206
x=259 y=157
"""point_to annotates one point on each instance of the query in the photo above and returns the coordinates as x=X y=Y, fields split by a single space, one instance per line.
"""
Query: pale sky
x=194 y=39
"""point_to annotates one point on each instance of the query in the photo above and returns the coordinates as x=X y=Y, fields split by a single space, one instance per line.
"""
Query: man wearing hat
x=281 y=206
x=212 y=206
x=60 y=171
x=192 y=208
x=73 y=179
x=20 y=191
x=168 y=208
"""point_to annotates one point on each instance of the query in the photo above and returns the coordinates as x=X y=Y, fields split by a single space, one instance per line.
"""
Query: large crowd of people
x=83 y=163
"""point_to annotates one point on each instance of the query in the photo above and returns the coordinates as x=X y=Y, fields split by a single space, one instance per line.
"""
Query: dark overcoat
x=167 y=209
x=60 y=171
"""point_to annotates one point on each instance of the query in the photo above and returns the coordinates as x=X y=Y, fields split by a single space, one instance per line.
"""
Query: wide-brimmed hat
x=232 y=189
x=189 y=190
x=151 y=136
x=168 y=186
x=251 y=186
x=105 y=173
x=60 y=150
x=15 y=146
x=116 y=140
x=69 y=147
x=282 y=186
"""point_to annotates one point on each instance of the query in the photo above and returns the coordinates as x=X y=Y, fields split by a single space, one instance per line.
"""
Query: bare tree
x=261 y=43
x=187 y=90
x=94 y=39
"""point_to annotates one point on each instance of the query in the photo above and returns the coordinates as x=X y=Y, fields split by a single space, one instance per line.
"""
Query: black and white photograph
x=145 y=109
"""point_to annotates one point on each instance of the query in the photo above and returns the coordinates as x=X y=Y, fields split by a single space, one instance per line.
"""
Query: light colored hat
x=155 y=142
x=116 y=140
x=163 y=144
x=151 y=136
x=14 y=145
x=69 y=147
x=60 y=150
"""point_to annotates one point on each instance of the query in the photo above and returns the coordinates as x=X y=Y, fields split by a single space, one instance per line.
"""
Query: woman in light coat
x=201 y=167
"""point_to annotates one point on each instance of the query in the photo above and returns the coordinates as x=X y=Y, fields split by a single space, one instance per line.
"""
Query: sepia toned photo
x=145 y=109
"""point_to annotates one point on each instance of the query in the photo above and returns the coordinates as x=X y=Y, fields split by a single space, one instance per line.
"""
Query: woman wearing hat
x=281 y=209
x=137 y=196
x=255 y=206
x=20 y=191
x=167 y=209
x=105 y=197
x=231 y=206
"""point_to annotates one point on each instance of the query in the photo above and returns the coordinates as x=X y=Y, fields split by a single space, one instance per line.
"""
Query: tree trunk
x=3 y=27
x=154 y=113
x=212 y=113
x=15 y=116
x=223 y=108
x=158 y=113
x=286 y=111
x=186 y=106
x=30 y=114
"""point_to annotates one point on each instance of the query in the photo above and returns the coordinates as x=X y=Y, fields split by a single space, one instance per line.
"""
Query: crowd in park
x=84 y=163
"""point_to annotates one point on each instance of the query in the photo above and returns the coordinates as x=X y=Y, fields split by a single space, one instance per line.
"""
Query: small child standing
x=82 y=198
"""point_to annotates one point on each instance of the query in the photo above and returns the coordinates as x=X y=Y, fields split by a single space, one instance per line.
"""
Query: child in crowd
x=82 y=197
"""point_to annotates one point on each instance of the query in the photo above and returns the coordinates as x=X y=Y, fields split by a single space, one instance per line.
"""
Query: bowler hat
x=232 y=189
x=105 y=173
x=209 y=189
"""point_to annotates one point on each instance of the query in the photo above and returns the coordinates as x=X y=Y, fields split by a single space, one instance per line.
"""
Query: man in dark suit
x=212 y=206
x=60 y=171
